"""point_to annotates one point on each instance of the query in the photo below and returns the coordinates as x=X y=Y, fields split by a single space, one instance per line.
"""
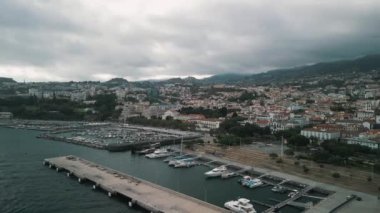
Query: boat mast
x=282 y=146
x=181 y=144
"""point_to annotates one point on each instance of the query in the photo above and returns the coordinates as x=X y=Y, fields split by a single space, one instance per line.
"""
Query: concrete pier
x=147 y=195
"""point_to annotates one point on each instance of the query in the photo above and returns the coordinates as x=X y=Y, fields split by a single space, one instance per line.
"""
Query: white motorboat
x=242 y=205
x=173 y=160
x=145 y=151
x=216 y=172
x=293 y=193
x=159 y=153
x=279 y=189
x=250 y=182
x=184 y=163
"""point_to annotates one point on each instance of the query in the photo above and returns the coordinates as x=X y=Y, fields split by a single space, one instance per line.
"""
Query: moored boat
x=293 y=193
x=184 y=163
x=250 y=182
x=145 y=151
x=242 y=205
x=279 y=189
x=159 y=153
x=216 y=172
x=172 y=160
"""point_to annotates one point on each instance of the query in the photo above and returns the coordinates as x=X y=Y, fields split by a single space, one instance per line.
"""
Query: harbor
x=300 y=195
x=191 y=181
x=114 y=137
x=147 y=195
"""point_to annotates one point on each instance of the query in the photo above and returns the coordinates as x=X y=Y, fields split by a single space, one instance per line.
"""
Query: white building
x=170 y=113
x=78 y=96
x=6 y=115
x=364 y=115
x=320 y=134
x=364 y=141
x=207 y=124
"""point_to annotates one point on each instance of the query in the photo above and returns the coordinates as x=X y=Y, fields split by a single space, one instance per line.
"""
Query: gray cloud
x=82 y=40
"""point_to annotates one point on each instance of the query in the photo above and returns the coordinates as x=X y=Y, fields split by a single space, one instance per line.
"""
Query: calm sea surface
x=28 y=186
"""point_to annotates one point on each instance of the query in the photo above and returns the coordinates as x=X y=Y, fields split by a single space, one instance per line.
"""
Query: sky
x=63 y=40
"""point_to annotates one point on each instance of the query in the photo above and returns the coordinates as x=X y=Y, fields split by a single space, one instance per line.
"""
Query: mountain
x=7 y=80
x=364 y=64
x=224 y=78
x=116 y=82
x=337 y=68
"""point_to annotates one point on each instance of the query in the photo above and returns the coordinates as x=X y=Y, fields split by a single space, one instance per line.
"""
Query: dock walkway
x=289 y=201
x=147 y=195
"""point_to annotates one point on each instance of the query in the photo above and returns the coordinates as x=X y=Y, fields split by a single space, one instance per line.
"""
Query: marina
x=189 y=181
x=114 y=137
x=295 y=191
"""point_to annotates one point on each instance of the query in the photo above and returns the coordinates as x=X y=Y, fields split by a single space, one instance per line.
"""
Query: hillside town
x=348 y=111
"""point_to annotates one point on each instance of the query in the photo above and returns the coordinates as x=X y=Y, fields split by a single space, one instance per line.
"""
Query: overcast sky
x=61 y=40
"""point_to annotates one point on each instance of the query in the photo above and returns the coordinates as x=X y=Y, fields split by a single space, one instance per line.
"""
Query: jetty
x=291 y=201
x=147 y=195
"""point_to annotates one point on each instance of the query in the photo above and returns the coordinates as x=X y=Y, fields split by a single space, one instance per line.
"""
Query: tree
x=299 y=140
x=287 y=134
x=289 y=152
x=336 y=175
x=228 y=140
x=273 y=155
x=305 y=169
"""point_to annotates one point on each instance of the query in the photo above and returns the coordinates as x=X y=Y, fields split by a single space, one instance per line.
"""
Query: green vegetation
x=105 y=107
x=273 y=155
x=342 y=154
x=228 y=140
x=305 y=169
x=233 y=126
x=208 y=113
x=169 y=123
x=231 y=132
x=298 y=140
x=287 y=134
x=60 y=109
x=341 y=108
x=289 y=152
x=44 y=109
x=336 y=175
x=214 y=90
x=346 y=150
x=6 y=80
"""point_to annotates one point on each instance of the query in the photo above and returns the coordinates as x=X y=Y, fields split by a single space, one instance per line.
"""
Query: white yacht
x=218 y=171
x=184 y=163
x=242 y=205
x=250 y=182
x=174 y=160
x=159 y=153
